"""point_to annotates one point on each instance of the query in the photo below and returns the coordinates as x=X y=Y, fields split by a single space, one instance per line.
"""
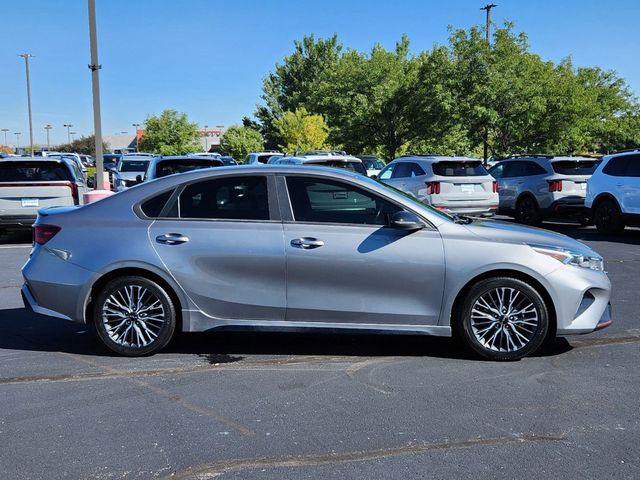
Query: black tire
x=138 y=339
x=527 y=211
x=608 y=217
x=498 y=343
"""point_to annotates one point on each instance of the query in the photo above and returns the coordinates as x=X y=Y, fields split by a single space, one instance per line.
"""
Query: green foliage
x=448 y=99
x=83 y=145
x=239 y=141
x=170 y=133
x=302 y=131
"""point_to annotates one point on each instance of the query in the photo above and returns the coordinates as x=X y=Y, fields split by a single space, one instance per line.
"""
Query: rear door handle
x=172 y=239
x=306 y=243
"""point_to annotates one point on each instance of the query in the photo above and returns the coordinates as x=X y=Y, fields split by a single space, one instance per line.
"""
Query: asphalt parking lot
x=297 y=405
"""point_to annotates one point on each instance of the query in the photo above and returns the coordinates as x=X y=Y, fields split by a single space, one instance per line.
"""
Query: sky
x=207 y=58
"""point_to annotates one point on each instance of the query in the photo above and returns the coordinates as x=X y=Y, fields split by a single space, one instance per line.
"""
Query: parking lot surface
x=261 y=405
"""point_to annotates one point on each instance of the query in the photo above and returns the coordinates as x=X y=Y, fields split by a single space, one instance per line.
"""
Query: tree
x=83 y=145
x=170 y=133
x=239 y=141
x=7 y=149
x=302 y=131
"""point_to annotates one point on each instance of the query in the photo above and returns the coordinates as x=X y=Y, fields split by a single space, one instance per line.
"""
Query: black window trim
x=289 y=218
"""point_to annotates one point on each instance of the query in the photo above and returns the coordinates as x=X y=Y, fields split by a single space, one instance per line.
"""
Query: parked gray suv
x=536 y=187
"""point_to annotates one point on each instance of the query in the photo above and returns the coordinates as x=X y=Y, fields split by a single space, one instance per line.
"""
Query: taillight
x=555 y=185
x=43 y=233
x=433 y=188
x=495 y=187
x=74 y=192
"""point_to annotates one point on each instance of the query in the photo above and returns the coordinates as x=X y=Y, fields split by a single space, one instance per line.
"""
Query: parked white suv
x=458 y=184
x=613 y=192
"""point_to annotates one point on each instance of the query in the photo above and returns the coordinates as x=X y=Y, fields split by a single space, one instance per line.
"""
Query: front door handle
x=306 y=243
x=172 y=239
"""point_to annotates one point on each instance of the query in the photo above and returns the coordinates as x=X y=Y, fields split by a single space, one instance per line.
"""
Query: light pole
x=135 y=126
x=72 y=134
x=5 y=130
x=206 y=140
x=485 y=143
x=95 y=87
x=17 y=134
x=26 y=57
x=47 y=128
x=68 y=127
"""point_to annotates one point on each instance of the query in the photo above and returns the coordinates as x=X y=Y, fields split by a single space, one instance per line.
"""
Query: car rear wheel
x=608 y=218
x=134 y=316
x=503 y=319
x=527 y=211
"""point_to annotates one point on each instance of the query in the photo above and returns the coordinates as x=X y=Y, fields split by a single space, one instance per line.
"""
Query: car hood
x=506 y=232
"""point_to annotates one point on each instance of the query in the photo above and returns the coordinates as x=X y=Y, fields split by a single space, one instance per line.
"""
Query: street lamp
x=68 y=127
x=72 y=134
x=47 y=128
x=95 y=67
x=17 y=134
x=206 y=140
x=26 y=57
x=136 y=125
x=5 y=130
x=485 y=143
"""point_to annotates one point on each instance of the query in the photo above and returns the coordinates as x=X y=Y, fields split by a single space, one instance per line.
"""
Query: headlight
x=571 y=258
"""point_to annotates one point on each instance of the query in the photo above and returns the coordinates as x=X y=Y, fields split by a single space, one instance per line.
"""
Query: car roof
x=435 y=158
x=325 y=158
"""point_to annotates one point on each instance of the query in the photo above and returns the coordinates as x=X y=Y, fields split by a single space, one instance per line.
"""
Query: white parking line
x=25 y=245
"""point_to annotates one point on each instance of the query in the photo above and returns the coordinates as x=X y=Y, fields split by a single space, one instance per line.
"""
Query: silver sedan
x=312 y=247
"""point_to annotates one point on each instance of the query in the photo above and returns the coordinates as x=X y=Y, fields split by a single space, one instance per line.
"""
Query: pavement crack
x=216 y=469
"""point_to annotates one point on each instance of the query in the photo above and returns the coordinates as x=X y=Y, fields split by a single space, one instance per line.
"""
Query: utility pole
x=95 y=83
x=485 y=146
x=206 y=140
x=47 y=128
x=26 y=57
x=5 y=130
x=68 y=126
x=135 y=126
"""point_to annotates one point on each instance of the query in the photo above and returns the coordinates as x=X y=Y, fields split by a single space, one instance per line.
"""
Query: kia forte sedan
x=289 y=247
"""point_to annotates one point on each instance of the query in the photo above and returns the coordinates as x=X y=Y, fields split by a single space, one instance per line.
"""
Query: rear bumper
x=573 y=207
x=31 y=304
x=17 y=221
x=477 y=211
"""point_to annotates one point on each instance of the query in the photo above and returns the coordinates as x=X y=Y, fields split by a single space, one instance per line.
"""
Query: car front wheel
x=503 y=319
x=134 y=316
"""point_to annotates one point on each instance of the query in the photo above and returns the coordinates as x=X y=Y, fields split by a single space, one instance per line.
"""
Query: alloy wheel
x=504 y=319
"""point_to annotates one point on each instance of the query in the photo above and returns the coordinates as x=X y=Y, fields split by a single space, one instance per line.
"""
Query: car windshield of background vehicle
x=353 y=166
x=38 y=171
x=459 y=169
x=134 y=166
x=169 y=167
x=570 y=167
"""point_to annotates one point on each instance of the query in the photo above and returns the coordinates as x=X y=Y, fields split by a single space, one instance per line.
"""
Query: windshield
x=573 y=167
x=353 y=166
x=473 y=168
x=134 y=165
x=373 y=163
x=169 y=167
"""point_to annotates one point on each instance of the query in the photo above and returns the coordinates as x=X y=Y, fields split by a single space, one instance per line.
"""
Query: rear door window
x=407 y=169
x=229 y=198
x=459 y=169
x=633 y=166
x=579 y=167
x=35 y=171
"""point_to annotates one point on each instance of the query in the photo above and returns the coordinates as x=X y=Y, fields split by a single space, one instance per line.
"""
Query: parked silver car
x=533 y=188
x=457 y=184
x=28 y=184
x=321 y=160
x=288 y=247
x=163 y=166
x=126 y=173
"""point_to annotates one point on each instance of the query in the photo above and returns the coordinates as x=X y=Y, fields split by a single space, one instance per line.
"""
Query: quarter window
x=633 y=167
x=327 y=201
x=153 y=207
x=231 y=198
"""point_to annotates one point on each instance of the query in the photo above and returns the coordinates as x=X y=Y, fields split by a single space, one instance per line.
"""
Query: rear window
x=169 y=167
x=134 y=165
x=570 y=167
x=35 y=171
x=353 y=166
x=459 y=169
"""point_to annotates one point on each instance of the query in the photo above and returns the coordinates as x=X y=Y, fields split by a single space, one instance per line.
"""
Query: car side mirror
x=139 y=178
x=374 y=176
x=406 y=221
